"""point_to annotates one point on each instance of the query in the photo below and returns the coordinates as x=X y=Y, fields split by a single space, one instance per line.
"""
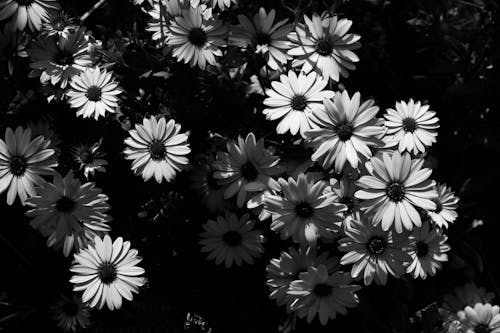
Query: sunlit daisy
x=196 y=39
x=261 y=36
x=412 y=126
x=58 y=58
x=27 y=12
x=157 y=149
x=231 y=239
x=345 y=131
x=395 y=187
x=322 y=44
x=481 y=318
x=428 y=251
x=467 y=295
x=71 y=314
x=318 y=292
x=293 y=99
x=89 y=159
x=374 y=253
x=207 y=186
x=68 y=213
x=304 y=212
x=93 y=92
x=246 y=168
x=285 y=269
x=59 y=24
x=106 y=272
x=223 y=4
x=22 y=161
x=446 y=206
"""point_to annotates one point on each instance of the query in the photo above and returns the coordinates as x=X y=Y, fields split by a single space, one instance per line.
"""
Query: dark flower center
x=395 y=192
x=422 y=249
x=212 y=181
x=197 y=37
x=344 y=131
x=349 y=204
x=87 y=157
x=157 y=150
x=304 y=210
x=298 y=102
x=261 y=38
x=439 y=207
x=64 y=58
x=65 y=204
x=17 y=165
x=232 y=238
x=70 y=309
x=107 y=273
x=322 y=290
x=409 y=125
x=24 y=2
x=376 y=245
x=249 y=172
x=324 y=47
x=93 y=93
x=482 y=328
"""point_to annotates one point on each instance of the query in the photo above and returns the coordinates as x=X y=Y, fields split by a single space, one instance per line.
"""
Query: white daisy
x=345 y=131
x=157 y=149
x=89 y=158
x=428 y=251
x=230 y=239
x=71 y=314
x=324 y=45
x=93 y=92
x=304 y=212
x=374 y=253
x=27 y=12
x=70 y=214
x=22 y=161
x=293 y=99
x=106 y=272
x=446 y=206
x=395 y=187
x=196 y=39
x=262 y=36
x=318 y=292
x=246 y=168
x=412 y=126
x=482 y=318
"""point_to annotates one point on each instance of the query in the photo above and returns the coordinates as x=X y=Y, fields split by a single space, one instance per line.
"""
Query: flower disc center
x=344 y=132
x=298 y=102
x=157 y=150
x=395 y=192
x=94 y=93
x=322 y=290
x=70 y=309
x=376 y=245
x=261 y=38
x=232 y=238
x=249 y=172
x=304 y=210
x=64 y=58
x=422 y=249
x=17 y=165
x=324 y=47
x=409 y=125
x=107 y=273
x=197 y=37
x=65 y=204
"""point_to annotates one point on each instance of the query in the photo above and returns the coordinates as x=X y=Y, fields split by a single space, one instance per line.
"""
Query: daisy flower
x=374 y=253
x=265 y=38
x=22 y=161
x=59 y=24
x=157 y=149
x=467 y=295
x=446 y=206
x=318 y=292
x=324 y=45
x=394 y=188
x=285 y=269
x=304 y=212
x=27 y=12
x=230 y=239
x=208 y=187
x=93 y=92
x=412 y=126
x=69 y=213
x=196 y=39
x=482 y=318
x=223 y=4
x=58 y=58
x=428 y=251
x=71 y=315
x=345 y=131
x=89 y=158
x=106 y=272
x=293 y=99
x=246 y=168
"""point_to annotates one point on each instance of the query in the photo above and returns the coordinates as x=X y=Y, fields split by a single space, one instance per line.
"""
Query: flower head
x=27 y=12
x=89 y=158
x=59 y=24
x=482 y=318
x=446 y=206
x=207 y=186
x=71 y=314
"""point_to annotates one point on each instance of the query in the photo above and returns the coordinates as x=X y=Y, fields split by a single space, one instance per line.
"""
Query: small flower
x=446 y=206
x=71 y=314
x=22 y=161
x=411 y=126
x=482 y=318
x=263 y=37
x=93 y=92
x=318 y=292
x=89 y=158
x=394 y=188
x=230 y=239
x=106 y=272
x=27 y=12
x=157 y=149
x=304 y=212
x=323 y=45
x=196 y=39
x=293 y=99
x=70 y=214
x=345 y=132
x=467 y=295
x=374 y=253
x=428 y=251
x=59 y=24
x=344 y=190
